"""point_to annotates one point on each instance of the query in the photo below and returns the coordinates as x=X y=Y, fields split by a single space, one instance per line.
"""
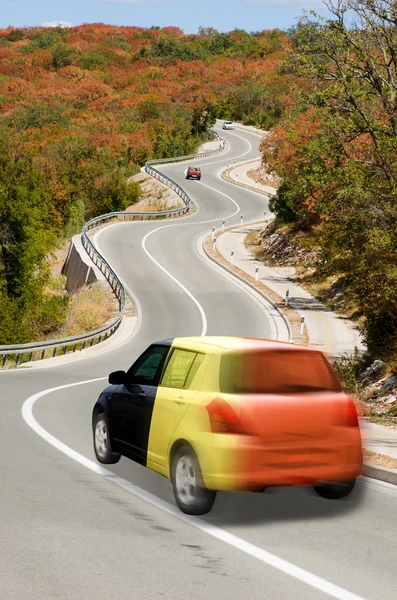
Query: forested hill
x=336 y=152
x=82 y=108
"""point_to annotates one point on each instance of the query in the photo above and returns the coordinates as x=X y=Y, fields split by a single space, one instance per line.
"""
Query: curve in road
x=70 y=534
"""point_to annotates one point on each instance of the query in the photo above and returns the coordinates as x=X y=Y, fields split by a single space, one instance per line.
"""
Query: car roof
x=238 y=343
x=195 y=168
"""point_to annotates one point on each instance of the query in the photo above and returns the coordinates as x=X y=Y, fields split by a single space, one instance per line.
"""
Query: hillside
x=82 y=109
x=335 y=152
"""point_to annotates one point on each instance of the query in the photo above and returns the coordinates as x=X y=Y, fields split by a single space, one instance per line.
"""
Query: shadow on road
x=280 y=505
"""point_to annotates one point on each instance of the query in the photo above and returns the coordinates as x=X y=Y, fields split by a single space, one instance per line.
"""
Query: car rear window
x=276 y=372
x=195 y=169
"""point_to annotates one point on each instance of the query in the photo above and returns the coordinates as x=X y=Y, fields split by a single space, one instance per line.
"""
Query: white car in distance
x=228 y=125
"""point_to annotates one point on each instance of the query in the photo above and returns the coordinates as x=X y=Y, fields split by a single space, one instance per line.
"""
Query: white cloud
x=57 y=24
x=310 y=4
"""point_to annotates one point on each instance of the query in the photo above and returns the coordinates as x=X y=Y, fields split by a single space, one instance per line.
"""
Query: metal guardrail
x=37 y=350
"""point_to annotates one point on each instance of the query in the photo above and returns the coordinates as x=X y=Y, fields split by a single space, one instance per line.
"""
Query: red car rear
x=193 y=173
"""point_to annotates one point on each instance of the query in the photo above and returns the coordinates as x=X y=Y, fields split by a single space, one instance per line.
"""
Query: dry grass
x=381 y=460
x=90 y=308
x=292 y=316
x=262 y=177
x=156 y=196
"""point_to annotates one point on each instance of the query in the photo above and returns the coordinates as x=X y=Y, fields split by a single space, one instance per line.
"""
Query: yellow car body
x=255 y=413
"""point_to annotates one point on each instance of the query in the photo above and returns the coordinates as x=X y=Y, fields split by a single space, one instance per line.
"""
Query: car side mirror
x=117 y=377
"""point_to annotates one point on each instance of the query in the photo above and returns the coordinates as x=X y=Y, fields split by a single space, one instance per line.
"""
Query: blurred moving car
x=228 y=413
x=193 y=173
x=228 y=125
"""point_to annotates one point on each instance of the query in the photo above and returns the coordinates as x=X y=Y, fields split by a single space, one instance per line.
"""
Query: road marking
x=332 y=590
x=238 y=209
x=143 y=244
x=260 y=300
x=216 y=162
x=174 y=279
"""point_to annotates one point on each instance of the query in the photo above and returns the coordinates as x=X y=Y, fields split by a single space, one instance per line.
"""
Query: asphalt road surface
x=71 y=529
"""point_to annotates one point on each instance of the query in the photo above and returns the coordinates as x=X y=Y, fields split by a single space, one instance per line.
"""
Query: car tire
x=102 y=445
x=199 y=178
x=335 y=491
x=191 y=495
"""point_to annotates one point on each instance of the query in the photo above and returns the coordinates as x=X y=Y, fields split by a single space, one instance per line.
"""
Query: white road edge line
x=260 y=300
x=196 y=302
x=332 y=590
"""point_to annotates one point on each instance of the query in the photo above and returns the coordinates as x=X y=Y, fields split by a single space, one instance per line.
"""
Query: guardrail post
x=54 y=352
x=3 y=362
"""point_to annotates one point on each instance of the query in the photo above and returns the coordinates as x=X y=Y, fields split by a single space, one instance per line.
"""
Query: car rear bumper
x=249 y=466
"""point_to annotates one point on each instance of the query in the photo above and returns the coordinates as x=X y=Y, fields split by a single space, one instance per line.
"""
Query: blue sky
x=224 y=15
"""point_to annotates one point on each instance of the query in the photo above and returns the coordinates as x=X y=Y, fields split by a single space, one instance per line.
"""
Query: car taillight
x=347 y=415
x=351 y=416
x=223 y=418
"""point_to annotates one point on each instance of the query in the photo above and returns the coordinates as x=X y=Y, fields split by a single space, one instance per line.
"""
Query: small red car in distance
x=193 y=173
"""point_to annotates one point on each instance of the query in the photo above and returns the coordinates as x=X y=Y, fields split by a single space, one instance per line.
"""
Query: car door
x=173 y=397
x=131 y=405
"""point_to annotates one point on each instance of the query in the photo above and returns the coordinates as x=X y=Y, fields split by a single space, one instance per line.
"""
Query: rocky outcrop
x=380 y=390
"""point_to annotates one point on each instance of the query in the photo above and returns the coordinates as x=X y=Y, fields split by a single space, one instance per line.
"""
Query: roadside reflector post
x=256 y=184
x=287 y=297
x=214 y=244
x=256 y=273
x=213 y=232
x=223 y=225
x=232 y=257
x=264 y=214
x=302 y=324
x=242 y=220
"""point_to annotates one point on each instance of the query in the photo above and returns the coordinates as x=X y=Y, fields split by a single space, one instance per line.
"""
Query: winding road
x=71 y=529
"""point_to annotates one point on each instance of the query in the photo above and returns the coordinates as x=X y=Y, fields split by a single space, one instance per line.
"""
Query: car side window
x=148 y=367
x=179 y=367
x=194 y=368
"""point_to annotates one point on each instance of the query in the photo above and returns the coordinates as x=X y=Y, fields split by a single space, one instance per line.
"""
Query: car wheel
x=199 y=178
x=335 y=491
x=102 y=445
x=191 y=495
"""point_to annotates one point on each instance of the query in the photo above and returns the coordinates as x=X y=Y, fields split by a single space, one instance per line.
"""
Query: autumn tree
x=345 y=175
